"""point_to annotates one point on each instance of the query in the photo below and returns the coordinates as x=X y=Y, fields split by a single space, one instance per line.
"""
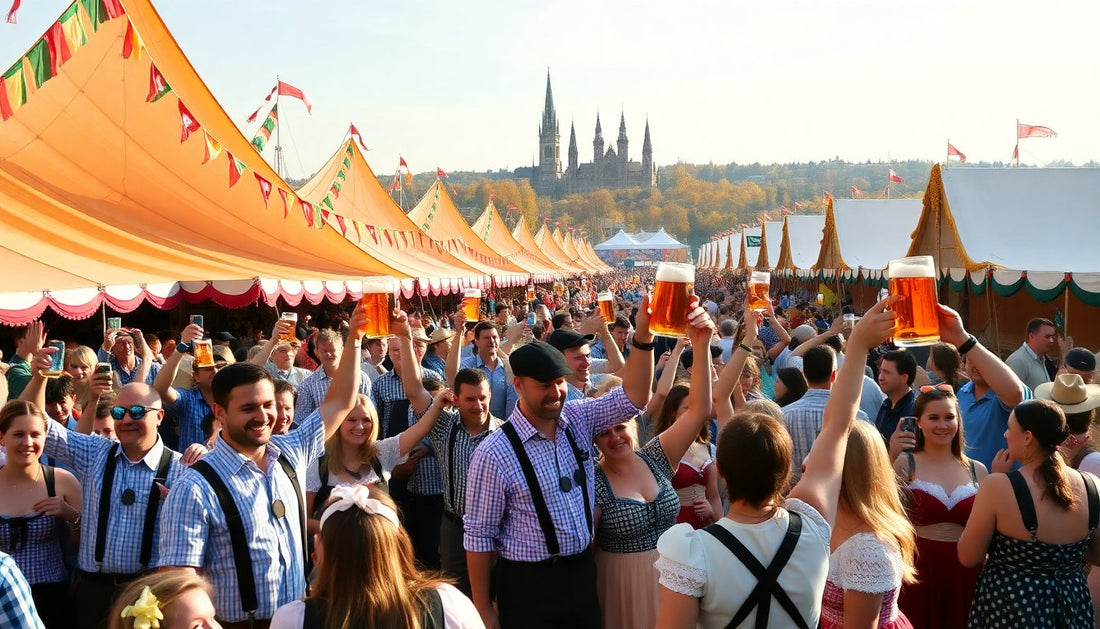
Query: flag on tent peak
x=1034 y=131
x=951 y=150
x=354 y=132
x=439 y=173
x=895 y=178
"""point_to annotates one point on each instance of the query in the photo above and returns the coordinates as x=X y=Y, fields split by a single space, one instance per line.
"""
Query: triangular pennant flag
x=355 y=134
x=158 y=87
x=307 y=210
x=58 y=44
x=265 y=187
x=342 y=224
x=319 y=217
x=113 y=9
x=341 y=175
x=236 y=169
x=373 y=233
x=188 y=122
x=212 y=149
x=132 y=46
x=347 y=162
x=388 y=235
x=286 y=201
x=12 y=11
x=358 y=231
x=327 y=201
x=38 y=57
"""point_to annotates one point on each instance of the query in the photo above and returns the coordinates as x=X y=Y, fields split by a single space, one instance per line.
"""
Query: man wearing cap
x=328 y=346
x=1079 y=402
x=1029 y=362
x=1079 y=361
x=277 y=357
x=488 y=359
x=531 y=484
x=189 y=407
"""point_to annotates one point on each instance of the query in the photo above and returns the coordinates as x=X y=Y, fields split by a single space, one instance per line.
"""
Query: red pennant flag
x=439 y=172
x=158 y=87
x=512 y=208
x=857 y=193
x=342 y=224
x=951 y=150
x=325 y=214
x=492 y=197
x=236 y=169
x=797 y=206
x=113 y=9
x=256 y=113
x=58 y=46
x=785 y=212
x=388 y=235
x=307 y=211
x=286 y=89
x=373 y=233
x=265 y=187
x=1016 y=153
x=395 y=185
x=11 y=12
x=404 y=239
x=286 y=202
x=895 y=178
x=190 y=125
x=354 y=132
x=1033 y=131
x=402 y=163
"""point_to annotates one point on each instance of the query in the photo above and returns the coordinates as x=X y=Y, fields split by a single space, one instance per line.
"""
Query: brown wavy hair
x=1047 y=423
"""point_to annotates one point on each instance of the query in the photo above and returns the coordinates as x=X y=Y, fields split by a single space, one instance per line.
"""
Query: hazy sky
x=460 y=85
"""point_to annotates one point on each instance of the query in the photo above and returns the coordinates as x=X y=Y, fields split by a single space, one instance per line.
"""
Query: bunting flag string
x=212 y=148
x=286 y=201
x=236 y=169
x=267 y=128
x=158 y=86
x=265 y=187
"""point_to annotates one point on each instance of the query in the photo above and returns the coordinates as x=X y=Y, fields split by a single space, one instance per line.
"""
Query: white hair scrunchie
x=346 y=497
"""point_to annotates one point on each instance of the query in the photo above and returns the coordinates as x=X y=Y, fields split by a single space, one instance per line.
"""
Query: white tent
x=866 y=234
x=773 y=236
x=801 y=242
x=620 y=240
x=659 y=240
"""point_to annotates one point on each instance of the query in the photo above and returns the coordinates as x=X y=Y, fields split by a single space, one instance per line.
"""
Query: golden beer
x=668 y=308
x=606 y=301
x=377 y=306
x=471 y=304
x=204 y=353
x=530 y=292
x=759 y=284
x=917 y=315
x=291 y=335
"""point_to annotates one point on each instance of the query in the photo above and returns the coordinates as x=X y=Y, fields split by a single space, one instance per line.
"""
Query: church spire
x=573 y=158
x=647 y=149
x=597 y=142
x=549 y=115
x=622 y=126
x=622 y=141
x=549 y=168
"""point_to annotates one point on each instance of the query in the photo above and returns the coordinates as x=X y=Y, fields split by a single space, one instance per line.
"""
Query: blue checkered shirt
x=199 y=536
x=426 y=479
x=312 y=390
x=500 y=514
x=504 y=397
x=189 y=410
x=387 y=389
x=87 y=454
x=458 y=468
x=804 y=419
x=124 y=376
x=767 y=336
x=17 y=610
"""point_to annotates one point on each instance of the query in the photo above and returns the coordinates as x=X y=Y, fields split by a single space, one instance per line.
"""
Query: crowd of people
x=548 y=466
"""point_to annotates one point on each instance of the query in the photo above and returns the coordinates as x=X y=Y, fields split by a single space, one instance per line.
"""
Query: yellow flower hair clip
x=145 y=611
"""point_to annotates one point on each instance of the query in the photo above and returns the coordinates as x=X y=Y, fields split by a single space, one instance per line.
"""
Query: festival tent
x=368 y=216
x=861 y=236
x=438 y=217
x=728 y=252
x=523 y=236
x=491 y=228
x=1008 y=229
x=569 y=246
x=771 y=240
x=106 y=197
x=750 y=248
x=549 y=247
x=590 y=254
x=801 y=243
x=621 y=240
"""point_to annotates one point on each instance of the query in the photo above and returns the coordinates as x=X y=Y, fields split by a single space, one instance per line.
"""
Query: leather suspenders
x=151 y=507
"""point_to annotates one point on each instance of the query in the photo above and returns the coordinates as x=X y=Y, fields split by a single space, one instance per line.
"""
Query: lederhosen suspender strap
x=1094 y=502
x=151 y=508
x=541 y=510
x=238 y=537
x=1023 y=500
x=581 y=457
x=47 y=475
x=298 y=496
x=767 y=579
x=451 y=463
x=105 y=504
x=242 y=559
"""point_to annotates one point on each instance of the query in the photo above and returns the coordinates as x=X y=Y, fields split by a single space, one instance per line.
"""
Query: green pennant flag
x=347 y=163
x=336 y=185
x=39 y=58
x=327 y=201
x=341 y=176
x=96 y=14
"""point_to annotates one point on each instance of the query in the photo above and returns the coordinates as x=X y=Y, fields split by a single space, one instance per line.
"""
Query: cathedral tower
x=549 y=168
x=622 y=141
x=597 y=142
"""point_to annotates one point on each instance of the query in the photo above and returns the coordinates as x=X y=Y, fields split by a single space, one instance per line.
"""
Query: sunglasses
x=943 y=386
x=136 y=412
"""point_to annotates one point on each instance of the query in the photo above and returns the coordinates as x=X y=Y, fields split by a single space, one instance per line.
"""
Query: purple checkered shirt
x=500 y=514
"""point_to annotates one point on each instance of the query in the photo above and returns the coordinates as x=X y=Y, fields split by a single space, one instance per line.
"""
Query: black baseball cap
x=564 y=339
x=540 y=361
x=1081 y=359
x=223 y=336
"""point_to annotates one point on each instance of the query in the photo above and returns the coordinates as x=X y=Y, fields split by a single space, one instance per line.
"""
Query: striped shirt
x=17 y=610
x=804 y=419
x=87 y=454
x=189 y=409
x=199 y=536
x=127 y=376
x=500 y=514
x=312 y=390
x=455 y=470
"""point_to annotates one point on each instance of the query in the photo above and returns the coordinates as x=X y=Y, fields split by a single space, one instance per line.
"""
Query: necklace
x=354 y=473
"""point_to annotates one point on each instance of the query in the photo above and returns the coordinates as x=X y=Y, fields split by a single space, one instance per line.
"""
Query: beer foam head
x=605 y=296
x=473 y=292
x=378 y=284
x=916 y=266
x=676 y=272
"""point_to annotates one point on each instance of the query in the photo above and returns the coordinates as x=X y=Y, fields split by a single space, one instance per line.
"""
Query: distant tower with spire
x=610 y=168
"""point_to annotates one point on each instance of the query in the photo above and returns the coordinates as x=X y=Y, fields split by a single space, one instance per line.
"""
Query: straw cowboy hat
x=418 y=335
x=1070 y=392
x=440 y=334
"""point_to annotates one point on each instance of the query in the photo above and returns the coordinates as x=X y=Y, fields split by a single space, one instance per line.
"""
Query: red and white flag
x=785 y=212
x=1016 y=153
x=1033 y=131
x=286 y=89
x=354 y=132
x=12 y=11
x=857 y=193
x=797 y=206
x=951 y=150
x=895 y=178
x=439 y=172
x=402 y=162
x=256 y=113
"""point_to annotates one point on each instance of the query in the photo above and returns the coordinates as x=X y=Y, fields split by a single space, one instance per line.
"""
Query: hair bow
x=145 y=610
x=344 y=498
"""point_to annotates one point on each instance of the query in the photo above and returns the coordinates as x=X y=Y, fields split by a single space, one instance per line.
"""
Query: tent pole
x=993 y=307
x=1065 y=311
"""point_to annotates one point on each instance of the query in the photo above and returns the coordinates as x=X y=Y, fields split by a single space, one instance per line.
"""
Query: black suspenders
x=151 y=507
x=767 y=579
x=546 y=523
x=238 y=537
x=451 y=462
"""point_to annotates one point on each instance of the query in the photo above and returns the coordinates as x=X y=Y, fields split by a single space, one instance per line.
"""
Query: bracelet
x=745 y=347
x=75 y=524
x=968 y=345
x=645 y=347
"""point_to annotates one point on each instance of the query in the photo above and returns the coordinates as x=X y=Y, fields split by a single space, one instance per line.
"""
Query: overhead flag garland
x=267 y=128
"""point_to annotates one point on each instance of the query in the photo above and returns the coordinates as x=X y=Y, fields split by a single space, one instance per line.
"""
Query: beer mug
x=821 y=299
x=530 y=292
x=471 y=304
x=114 y=323
x=204 y=352
x=291 y=335
x=668 y=309
x=917 y=315
x=606 y=302
x=377 y=304
x=57 y=361
x=759 y=284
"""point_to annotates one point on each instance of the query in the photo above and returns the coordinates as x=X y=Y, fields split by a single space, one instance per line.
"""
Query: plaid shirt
x=87 y=454
x=426 y=479
x=804 y=419
x=189 y=410
x=456 y=470
x=387 y=389
x=500 y=514
x=199 y=536
x=504 y=397
x=312 y=390
x=124 y=376
x=17 y=610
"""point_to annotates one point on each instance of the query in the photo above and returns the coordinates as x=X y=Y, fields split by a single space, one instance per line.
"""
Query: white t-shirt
x=1090 y=464
x=458 y=611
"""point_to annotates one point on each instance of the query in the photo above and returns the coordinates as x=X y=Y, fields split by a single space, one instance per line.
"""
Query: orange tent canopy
x=105 y=198
x=523 y=236
x=491 y=228
x=550 y=247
